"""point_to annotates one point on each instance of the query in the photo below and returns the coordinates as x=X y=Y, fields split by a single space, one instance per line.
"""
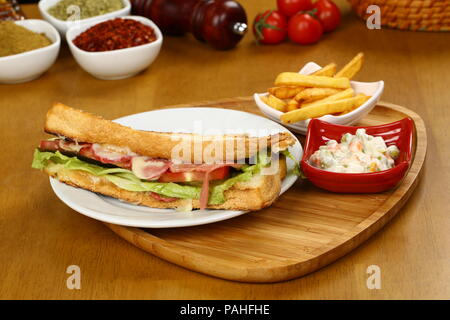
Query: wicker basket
x=416 y=15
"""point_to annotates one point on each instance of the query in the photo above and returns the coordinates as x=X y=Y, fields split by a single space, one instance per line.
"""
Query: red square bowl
x=399 y=133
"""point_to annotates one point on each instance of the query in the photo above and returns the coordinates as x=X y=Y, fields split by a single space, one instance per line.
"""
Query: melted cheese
x=111 y=152
x=142 y=168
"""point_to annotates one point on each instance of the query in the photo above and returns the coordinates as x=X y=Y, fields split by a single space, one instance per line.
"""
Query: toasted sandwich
x=159 y=169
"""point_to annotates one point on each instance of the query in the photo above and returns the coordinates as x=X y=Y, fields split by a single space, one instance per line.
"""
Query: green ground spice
x=87 y=8
x=17 y=39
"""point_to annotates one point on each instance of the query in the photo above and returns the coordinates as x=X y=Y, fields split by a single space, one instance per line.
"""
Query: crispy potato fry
x=264 y=99
x=296 y=79
x=285 y=92
x=292 y=105
x=323 y=92
x=348 y=93
x=311 y=94
x=328 y=71
x=323 y=109
x=274 y=102
x=357 y=106
x=351 y=68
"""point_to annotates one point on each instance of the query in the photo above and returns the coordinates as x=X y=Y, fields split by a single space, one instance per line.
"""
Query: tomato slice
x=162 y=198
x=218 y=174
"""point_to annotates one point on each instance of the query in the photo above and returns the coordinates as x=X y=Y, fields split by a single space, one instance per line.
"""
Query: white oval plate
x=373 y=89
x=198 y=120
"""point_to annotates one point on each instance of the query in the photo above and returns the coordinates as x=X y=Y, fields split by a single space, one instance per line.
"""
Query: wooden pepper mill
x=221 y=23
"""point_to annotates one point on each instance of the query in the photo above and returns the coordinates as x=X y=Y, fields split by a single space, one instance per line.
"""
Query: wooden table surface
x=40 y=236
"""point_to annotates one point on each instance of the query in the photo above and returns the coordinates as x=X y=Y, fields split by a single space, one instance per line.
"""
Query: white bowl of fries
x=317 y=92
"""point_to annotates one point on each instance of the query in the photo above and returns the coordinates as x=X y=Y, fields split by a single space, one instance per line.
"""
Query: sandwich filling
x=163 y=179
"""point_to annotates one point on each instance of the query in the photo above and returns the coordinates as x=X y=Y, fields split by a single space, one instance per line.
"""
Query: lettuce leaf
x=126 y=179
x=296 y=170
x=216 y=192
x=130 y=182
x=122 y=178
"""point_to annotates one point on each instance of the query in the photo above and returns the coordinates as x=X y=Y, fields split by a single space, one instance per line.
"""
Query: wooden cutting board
x=306 y=229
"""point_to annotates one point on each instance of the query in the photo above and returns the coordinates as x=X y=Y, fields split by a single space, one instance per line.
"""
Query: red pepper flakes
x=115 y=34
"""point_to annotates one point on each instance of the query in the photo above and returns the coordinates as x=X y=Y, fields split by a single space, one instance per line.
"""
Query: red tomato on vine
x=328 y=13
x=291 y=7
x=304 y=29
x=270 y=27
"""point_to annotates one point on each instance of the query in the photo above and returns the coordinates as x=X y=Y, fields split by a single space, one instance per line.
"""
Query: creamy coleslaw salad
x=359 y=153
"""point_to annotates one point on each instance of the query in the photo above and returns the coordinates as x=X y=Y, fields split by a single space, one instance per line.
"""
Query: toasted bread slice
x=85 y=127
x=261 y=191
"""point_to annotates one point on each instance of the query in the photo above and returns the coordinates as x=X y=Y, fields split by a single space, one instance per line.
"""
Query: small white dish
x=115 y=64
x=198 y=120
x=30 y=65
x=373 y=89
x=63 y=26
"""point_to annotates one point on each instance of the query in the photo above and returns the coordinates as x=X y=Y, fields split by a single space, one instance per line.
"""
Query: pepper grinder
x=220 y=23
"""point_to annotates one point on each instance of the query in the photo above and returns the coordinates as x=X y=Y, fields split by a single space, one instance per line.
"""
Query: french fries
x=297 y=79
x=311 y=94
x=324 y=109
x=275 y=103
x=348 y=93
x=328 y=71
x=351 y=68
x=285 y=92
x=292 y=105
x=323 y=92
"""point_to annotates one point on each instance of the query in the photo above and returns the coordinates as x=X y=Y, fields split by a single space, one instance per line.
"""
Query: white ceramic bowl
x=115 y=64
x=30 y=65
x=63 y=26
x=373 y=89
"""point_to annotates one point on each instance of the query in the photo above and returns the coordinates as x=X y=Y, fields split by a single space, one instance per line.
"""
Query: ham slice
x=108 y=153
x=204 y=193
x=86 y=150
x=149 y=169
x=207 y=168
